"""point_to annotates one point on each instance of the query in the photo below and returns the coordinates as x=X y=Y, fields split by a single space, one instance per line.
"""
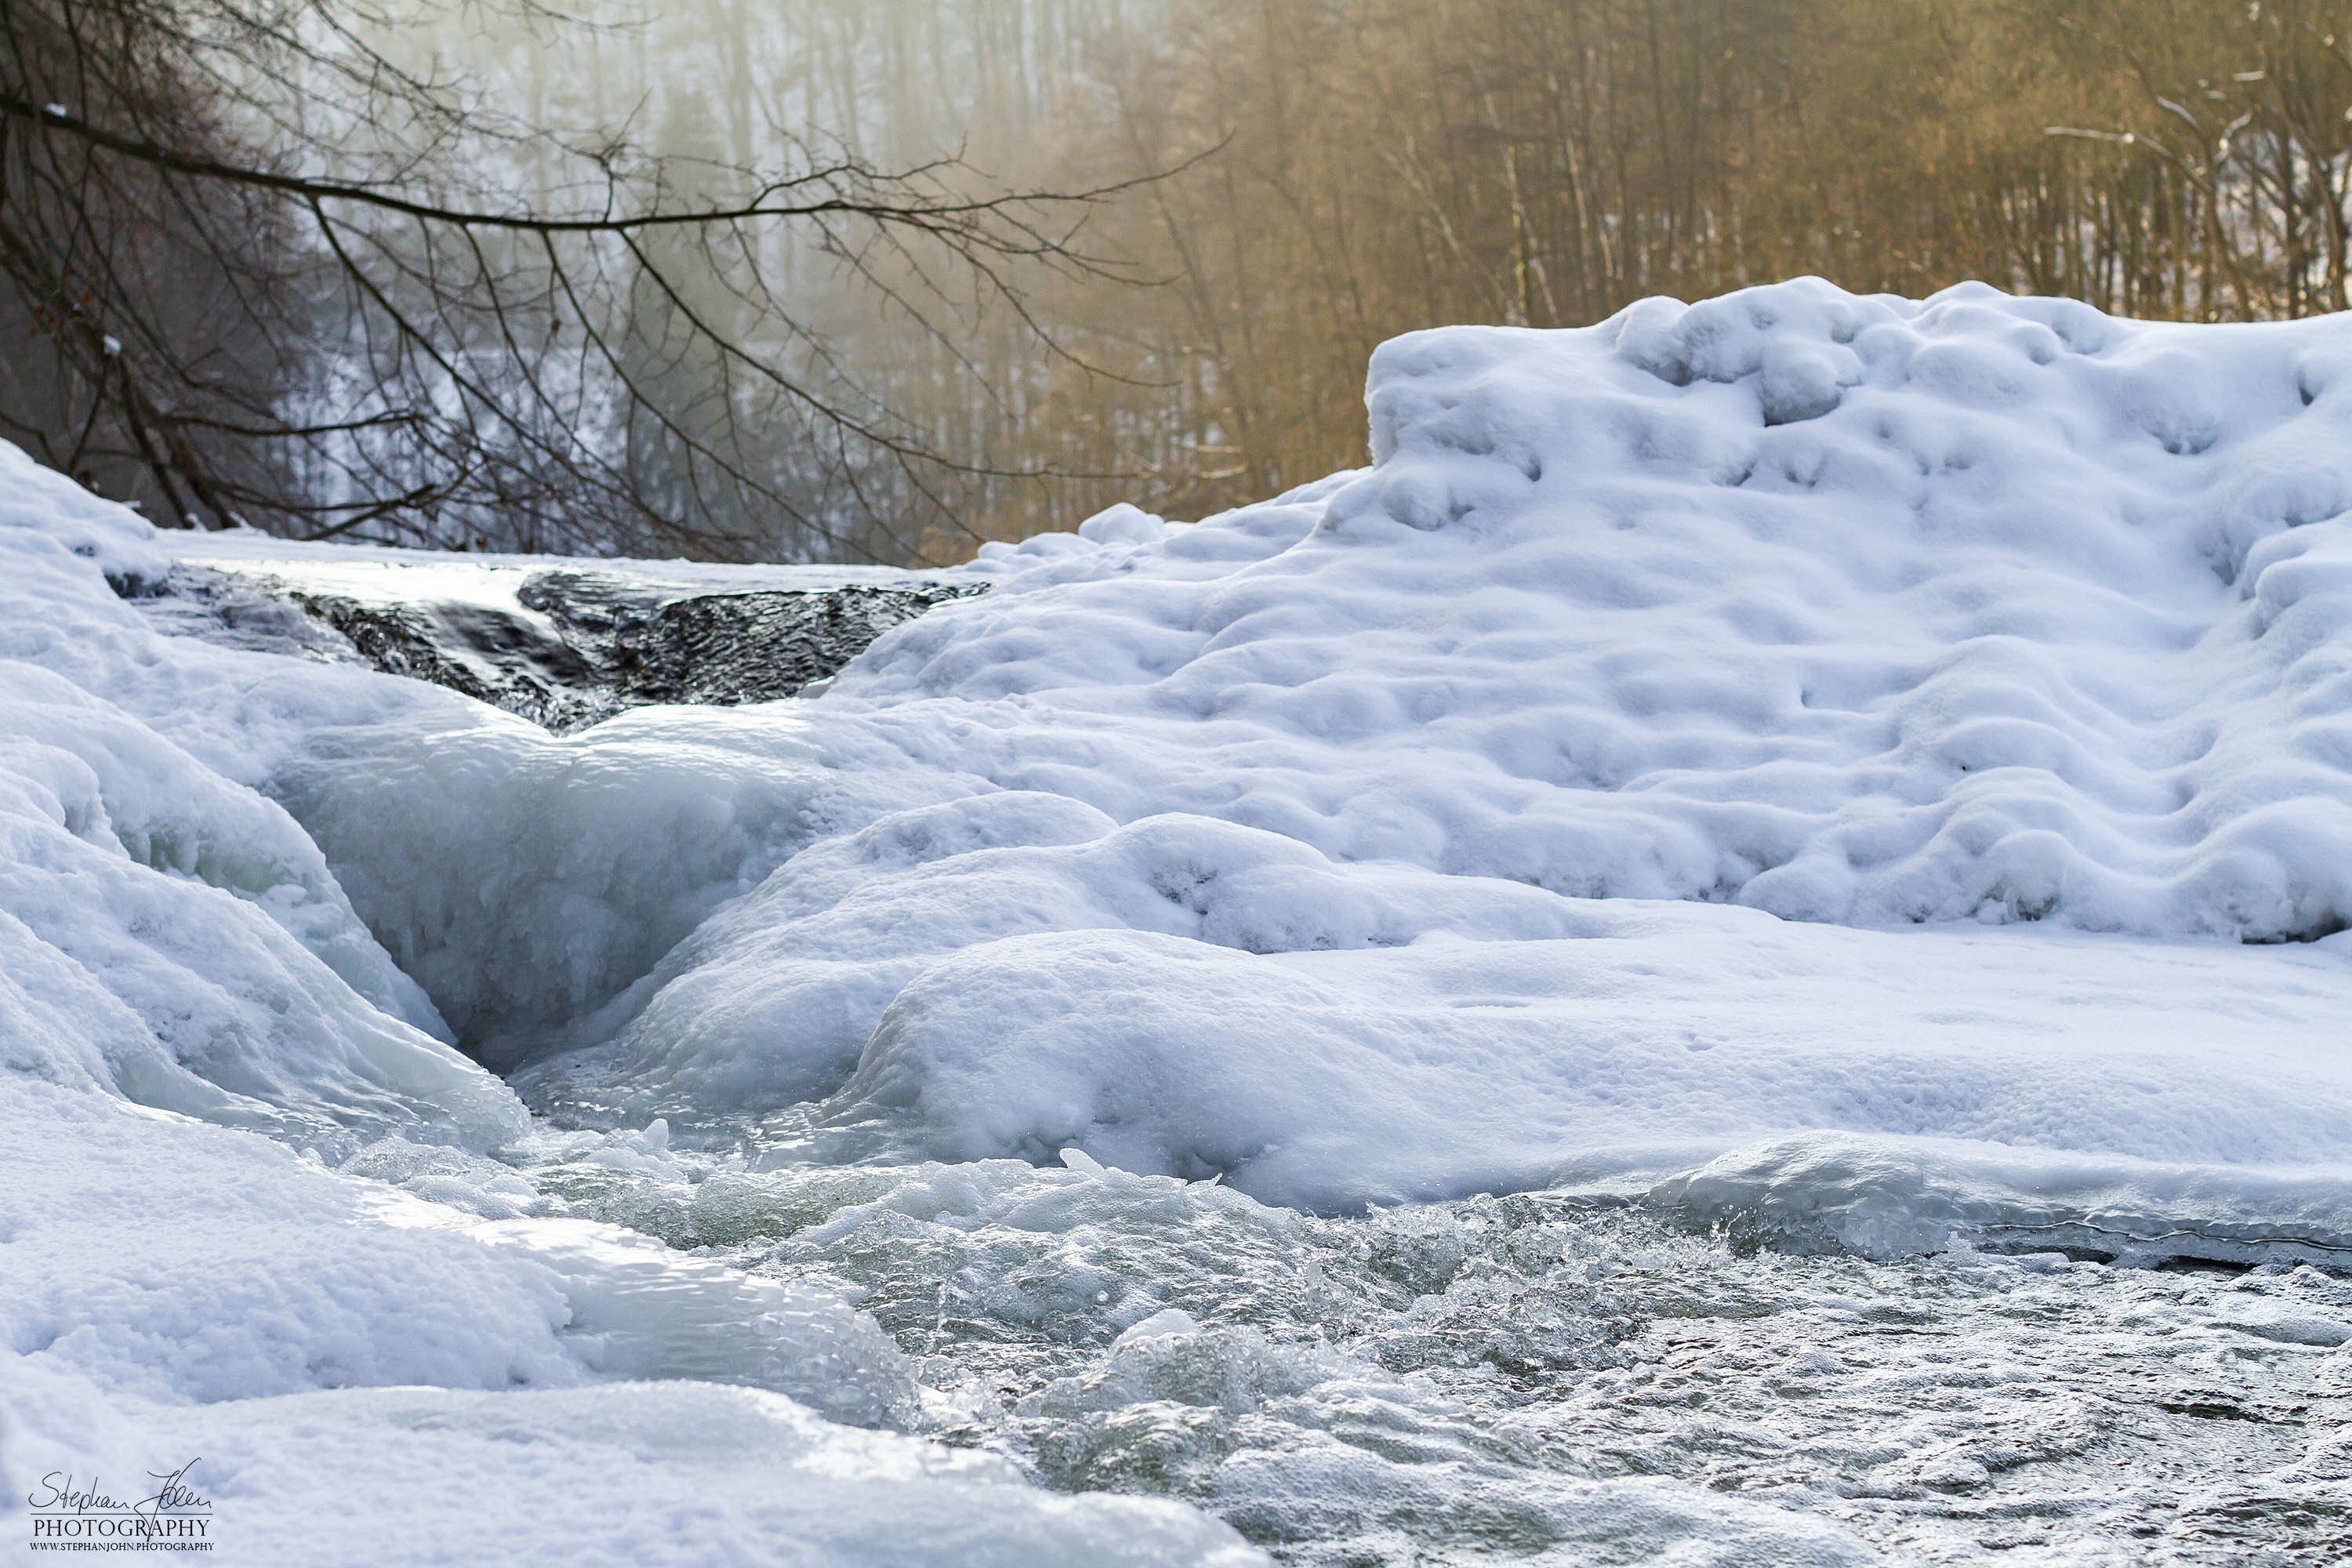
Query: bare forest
x=878 y=279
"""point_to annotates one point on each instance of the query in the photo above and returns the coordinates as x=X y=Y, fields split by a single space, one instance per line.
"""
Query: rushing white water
x=1541 y=1376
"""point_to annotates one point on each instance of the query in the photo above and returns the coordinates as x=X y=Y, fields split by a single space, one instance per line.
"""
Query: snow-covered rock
x=1915 y=617
x=2041 y=616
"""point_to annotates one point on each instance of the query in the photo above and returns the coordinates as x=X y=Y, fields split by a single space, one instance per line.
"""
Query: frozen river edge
x=1414 y=1077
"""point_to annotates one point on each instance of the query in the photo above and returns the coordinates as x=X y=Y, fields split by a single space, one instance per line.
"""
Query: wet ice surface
x=1545 y=1377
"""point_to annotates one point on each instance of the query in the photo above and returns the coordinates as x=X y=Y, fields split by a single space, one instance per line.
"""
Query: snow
x=389 y=574
x=174 y=945
x=2041 y=617
x=1827 y=618
x=169 y=935
x=1855 y=626
x=772 y=1000
x=1456 y=1066
x=623 y=1473
x=1874 y=776
x=358 y=1368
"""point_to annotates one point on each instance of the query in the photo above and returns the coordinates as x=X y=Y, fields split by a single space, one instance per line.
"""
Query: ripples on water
x=1537 y=1378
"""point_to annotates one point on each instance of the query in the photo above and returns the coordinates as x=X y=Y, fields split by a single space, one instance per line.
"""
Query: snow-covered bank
x=170 y=935
x=1983 y=611
x=1614 y=789
x=2016 y=612
x=172 y=945
x=1854 y=612
x=630 y=1475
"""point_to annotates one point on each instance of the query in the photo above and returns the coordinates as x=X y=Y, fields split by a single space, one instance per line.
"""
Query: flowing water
x=1544 y=1377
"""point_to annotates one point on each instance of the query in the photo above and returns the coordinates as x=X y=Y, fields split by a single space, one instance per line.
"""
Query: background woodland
x=1073 y=251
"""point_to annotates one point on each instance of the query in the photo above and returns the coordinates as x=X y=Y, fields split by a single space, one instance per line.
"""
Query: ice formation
x=366 y=1374
x=1871 y=776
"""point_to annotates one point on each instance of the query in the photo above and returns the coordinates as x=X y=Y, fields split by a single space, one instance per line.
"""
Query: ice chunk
x=1892 y=1197
x=1167 y=1322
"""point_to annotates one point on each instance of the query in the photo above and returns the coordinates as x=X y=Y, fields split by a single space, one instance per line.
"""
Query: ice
x=517 y=877
x=166 y=1261
x=393 y=574
x=173 y=1286
x=1836 y=1193
x=1449 y=1067
x=169 y=1262
x=624 y=1474
x=524 y=879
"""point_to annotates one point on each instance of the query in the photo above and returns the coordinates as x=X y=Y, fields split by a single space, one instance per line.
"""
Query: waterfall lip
x=564 y=644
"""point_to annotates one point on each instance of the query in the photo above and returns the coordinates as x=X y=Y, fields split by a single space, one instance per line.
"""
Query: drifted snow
x=1857 y=613
x=1612 y=787
x=2041 y=617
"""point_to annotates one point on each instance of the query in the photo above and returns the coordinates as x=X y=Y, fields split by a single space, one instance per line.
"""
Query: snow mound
x=1858 y=610
x=772 y=1000
x=680 y=1474
x=1859 y=613
x=167 y=934
x=165 y=1262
